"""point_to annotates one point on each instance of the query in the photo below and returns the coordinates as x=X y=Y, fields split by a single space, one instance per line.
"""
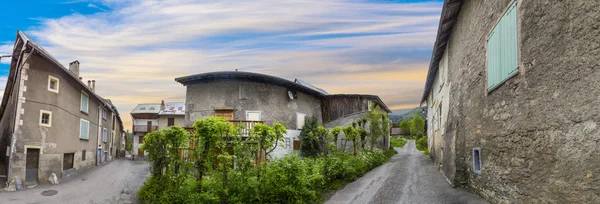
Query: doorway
x=31 y=166
x=140 y=153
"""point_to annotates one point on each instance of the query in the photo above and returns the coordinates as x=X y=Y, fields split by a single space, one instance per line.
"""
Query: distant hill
x=406 y=114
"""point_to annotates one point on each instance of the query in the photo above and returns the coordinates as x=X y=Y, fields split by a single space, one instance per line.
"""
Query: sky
x=135 y=49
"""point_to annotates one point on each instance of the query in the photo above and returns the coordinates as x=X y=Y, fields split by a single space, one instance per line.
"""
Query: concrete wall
x=538 y=132
x=63 y=135
x=163 y=120
x=272 y=100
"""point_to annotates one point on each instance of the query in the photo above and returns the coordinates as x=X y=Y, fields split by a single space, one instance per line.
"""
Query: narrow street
x=409 y=177
x=103 y=184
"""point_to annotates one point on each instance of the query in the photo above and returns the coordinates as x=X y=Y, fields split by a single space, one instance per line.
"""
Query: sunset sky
x=135 y=49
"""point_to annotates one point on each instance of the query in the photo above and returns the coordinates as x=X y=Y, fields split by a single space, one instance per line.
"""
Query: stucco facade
x=57 y=137
x=538 y=131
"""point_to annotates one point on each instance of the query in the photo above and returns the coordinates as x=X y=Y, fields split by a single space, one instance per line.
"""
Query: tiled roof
x=173 y=108
x=147 y=108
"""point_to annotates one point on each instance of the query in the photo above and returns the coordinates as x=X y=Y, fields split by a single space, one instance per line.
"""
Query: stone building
x=51 y=121
x=250 y=98
x=512 y=91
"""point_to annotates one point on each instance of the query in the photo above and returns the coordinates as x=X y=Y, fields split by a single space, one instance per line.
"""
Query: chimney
x=93 y=85
x=80 y=78
x=74 y=67
x=90 y=83
x=162 y=105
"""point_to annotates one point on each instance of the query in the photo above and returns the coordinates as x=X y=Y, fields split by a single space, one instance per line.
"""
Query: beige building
x=171 y=114
x=148 y=117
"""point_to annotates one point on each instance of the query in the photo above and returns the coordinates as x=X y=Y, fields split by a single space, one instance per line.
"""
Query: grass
x=397 y=142
x=422 y=145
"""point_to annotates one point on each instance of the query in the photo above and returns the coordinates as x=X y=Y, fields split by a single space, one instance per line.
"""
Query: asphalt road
x=104 y=184
x=409 y=177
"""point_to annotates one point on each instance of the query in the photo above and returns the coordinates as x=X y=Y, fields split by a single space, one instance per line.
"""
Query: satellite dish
x=291 y=95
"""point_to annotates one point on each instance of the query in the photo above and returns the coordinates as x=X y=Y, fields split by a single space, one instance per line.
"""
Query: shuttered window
x=84 y=129
x=502 y=53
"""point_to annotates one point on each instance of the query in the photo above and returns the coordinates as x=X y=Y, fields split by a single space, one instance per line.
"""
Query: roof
x=173 y=108
x=146 y=108
x=450 y=11
x=372 y=97
x=29 y=45
x=310 y=86
x=229 y=75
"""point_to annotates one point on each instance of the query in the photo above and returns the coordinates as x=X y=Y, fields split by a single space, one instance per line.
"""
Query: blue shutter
x=84 y=129
x=502 y=52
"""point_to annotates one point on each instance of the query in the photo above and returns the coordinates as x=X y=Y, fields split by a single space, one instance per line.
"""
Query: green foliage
x=335 y=133
x=422 y=145
x=390 y=152
x=397 y=142
x=128 y=142
x=405 y=127
x=310 y=145
x=267 y=137
x=378 y=123
x=417 y=126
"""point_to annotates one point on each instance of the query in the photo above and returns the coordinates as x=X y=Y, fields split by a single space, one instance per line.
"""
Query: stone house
x=249 y=98
x=51 y=121
x=512 y=91
x=148 y=117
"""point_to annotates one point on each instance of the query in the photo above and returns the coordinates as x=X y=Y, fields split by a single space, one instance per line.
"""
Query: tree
x=309 y=146
x=351 y=134
x=209 y=135
x=128 y=142
x=335 y=133
x=417 y=126
x=267 y=138
x=405 y=127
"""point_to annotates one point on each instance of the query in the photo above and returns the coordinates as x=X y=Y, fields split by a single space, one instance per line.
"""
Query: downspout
x=99 y=159
x=13 y=140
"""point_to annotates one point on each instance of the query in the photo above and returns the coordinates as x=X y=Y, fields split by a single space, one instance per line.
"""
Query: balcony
x=246 y=123
x=144 y=128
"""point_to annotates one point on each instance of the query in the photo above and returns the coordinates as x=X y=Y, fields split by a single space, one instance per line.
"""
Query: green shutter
x=502 y=49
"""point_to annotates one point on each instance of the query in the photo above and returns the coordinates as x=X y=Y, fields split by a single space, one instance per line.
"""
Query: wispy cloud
x=135 y=49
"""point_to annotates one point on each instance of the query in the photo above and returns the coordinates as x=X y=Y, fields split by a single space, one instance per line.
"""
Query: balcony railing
x=246 y=123
x=144 y=128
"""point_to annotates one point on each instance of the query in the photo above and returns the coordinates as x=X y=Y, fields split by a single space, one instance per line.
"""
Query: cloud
x=5 y=49
x=135 y=49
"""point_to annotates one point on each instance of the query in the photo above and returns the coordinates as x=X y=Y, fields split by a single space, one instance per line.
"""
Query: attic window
x=151 y=108
x=477 y=160
x=143 y=108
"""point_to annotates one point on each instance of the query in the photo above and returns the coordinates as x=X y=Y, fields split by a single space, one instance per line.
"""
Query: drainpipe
x=99 y=160
x=16 y=123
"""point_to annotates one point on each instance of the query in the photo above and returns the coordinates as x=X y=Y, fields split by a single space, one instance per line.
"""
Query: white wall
x=287 y=146
x=439 y=94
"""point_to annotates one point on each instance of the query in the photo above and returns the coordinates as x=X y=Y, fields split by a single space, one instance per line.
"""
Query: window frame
x=259 y=115
x=81 y=121
x=42 y=112
x=298 y=121
x=104 y=113
x=56 y=86
x=104 y=135
x=487 y=50
x=476 y=162
x=169 y=120
x=87 y=107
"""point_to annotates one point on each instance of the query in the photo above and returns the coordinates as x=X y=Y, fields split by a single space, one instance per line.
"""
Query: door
x=31 y=166
x=99 y=157
x=149 y=126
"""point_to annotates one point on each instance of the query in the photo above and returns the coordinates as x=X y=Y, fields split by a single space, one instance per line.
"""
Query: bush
x=397 y=142
x=310 y=145
x=422 y=145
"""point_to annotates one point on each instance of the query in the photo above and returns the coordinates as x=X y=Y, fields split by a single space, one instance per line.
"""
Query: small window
x=143 y=108
x=84 y=102
x=68 y=161
x=477 y=160
x=300 y=117
x=141 y=140
x=170 y=122
x=45 y=118
x=103 y=114
x=502 y=49
x=253 y=115
x=83 y=155
x=104 y=135
x=152 y=108
x=84 y=129
x=53 y=84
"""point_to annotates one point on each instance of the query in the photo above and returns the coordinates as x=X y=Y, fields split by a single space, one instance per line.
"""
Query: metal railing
x=247 y=124
x=144 y=128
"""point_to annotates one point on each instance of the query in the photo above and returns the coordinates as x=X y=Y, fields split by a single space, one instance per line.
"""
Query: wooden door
x=149 y=126
x=226 y=114
x=31 y=166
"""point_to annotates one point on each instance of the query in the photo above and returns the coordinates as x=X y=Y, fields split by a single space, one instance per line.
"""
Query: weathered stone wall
x=538 y=132
x=272 y=100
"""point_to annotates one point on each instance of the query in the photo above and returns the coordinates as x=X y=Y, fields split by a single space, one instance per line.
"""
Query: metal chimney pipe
x=93 y=85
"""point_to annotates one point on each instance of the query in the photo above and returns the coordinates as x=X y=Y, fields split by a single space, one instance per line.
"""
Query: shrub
x=310 y=145
x=422 y=145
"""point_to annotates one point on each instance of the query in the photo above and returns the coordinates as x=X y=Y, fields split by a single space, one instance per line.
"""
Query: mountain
x=406 y=114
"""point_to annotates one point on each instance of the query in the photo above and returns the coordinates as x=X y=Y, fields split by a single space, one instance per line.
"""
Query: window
x=141 y=139
x=143 y=108
x=300 y=117
x=103 y=114
x=84 y=129
x=53 y=84
x=477 y=160
x=104 y=134
x=502 y=49
x=68 y=161
x=253 y=115
x=84 y=102
x=225 y=113
x=83 y=155
x=170 y=122
x=45 y=118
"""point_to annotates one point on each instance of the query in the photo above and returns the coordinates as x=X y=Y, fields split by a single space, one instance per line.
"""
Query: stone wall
x=538 y=132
